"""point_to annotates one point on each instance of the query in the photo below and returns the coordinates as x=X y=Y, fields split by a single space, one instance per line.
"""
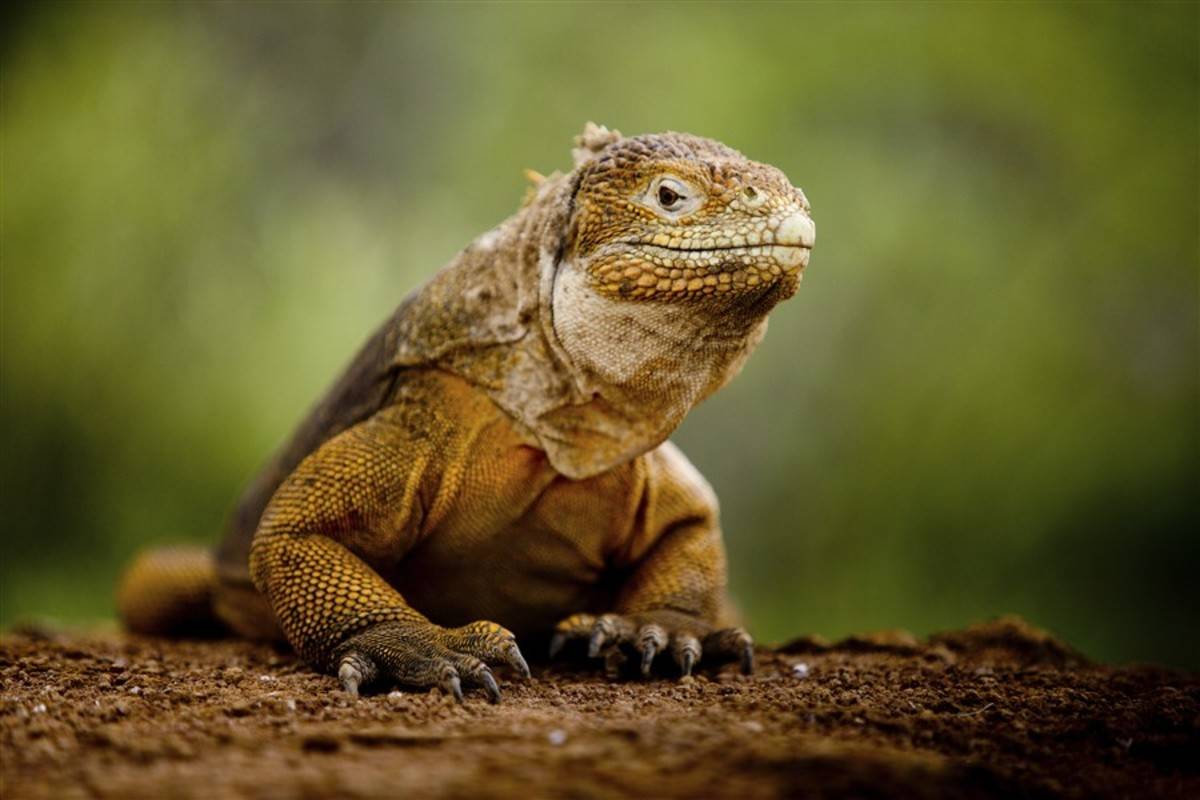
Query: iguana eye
x=668 y=198
x=671 y=196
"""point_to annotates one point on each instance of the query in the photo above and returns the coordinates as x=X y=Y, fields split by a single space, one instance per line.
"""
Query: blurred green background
x=983 y=400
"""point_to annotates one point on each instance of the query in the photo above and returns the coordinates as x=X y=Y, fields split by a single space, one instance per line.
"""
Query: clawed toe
x=451 y=684
x=650 y=634
x=356 y=669
x=651 y=641
x=517 y=661
x=489 y=683
x=490 y=643
x=686 y=650
x=733 y=643
x=429 y=657
x=351 y=678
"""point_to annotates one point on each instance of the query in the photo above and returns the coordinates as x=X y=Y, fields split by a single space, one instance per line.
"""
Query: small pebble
x=800 y=670
x=40 y=708
x=291 y=704
x=266 y=678
x=557 y=737
x=135 y=690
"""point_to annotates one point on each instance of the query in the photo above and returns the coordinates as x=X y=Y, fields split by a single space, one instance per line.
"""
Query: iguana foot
x=651 y=633
x=425 y=655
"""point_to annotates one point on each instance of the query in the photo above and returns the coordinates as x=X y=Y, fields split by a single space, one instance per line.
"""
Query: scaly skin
x=493 y=465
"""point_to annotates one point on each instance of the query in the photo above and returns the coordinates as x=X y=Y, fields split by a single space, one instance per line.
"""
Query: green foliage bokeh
x=984 y=398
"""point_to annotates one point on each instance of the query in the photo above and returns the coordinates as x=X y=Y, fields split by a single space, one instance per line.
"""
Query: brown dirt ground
x=997 y=710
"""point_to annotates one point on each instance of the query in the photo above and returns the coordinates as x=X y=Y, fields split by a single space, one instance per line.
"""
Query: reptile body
x=494 y=463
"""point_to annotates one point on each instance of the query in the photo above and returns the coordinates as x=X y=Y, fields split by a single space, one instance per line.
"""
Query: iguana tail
x=169 y=591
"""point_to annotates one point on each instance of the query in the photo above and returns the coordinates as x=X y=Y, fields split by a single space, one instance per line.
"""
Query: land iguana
x=494 y=462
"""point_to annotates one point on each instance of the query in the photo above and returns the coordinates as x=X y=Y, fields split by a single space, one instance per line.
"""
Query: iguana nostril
x=753 y=197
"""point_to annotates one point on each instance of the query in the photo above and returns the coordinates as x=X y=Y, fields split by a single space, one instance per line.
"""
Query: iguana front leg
x=366 y=494
x=674 y=600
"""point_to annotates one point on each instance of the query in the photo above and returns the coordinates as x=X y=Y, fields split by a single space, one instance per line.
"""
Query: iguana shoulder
x=477 y=317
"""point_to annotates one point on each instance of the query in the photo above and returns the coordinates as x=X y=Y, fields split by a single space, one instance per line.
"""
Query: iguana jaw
x=785 y=241
x=731 y=267
x=648 y=270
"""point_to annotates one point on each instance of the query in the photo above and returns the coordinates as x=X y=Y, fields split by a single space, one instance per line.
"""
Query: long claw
x=732 y=643
x=489 y=683
x=649 y=650
x=596 y=642
x=450 y=683
x=517 y=661
x=653 y=638
x=686 y=650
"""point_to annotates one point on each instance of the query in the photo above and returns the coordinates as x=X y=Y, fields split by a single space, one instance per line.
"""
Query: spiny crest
x=621 y=164
x=594 y=139
x=609 y=149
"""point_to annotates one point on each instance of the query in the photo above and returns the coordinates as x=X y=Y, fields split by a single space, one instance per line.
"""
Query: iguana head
x=671 y=218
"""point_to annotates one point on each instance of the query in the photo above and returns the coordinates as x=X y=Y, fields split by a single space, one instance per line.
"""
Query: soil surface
x=997 y=710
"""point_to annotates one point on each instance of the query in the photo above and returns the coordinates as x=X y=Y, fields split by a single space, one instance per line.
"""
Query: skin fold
x=494 y=465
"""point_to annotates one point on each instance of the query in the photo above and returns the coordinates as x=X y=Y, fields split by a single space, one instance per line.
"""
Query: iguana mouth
x=743 y=248
x=789 y=257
